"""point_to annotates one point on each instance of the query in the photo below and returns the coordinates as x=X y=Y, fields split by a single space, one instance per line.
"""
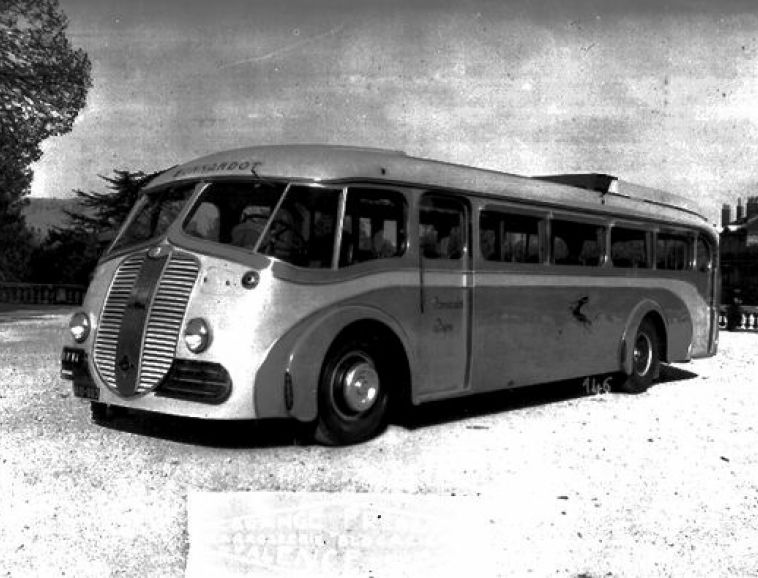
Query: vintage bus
x=327 y=284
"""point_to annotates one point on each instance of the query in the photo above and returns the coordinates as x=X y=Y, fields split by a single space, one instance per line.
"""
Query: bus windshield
x=299 y=229
x=152 y=215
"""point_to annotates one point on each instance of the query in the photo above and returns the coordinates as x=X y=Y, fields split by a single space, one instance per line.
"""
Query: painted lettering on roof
x=226 y=166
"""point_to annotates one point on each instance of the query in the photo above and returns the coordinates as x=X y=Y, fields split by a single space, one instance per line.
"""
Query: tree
x=103 y=213
x=43 y=86
x=70 y=254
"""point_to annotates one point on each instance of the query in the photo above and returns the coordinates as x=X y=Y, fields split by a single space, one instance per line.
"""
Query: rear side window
x=629 y=248
x=374 y=226
x=508 y=238
x=575 y=243
x=704 y=256
x=672 y=252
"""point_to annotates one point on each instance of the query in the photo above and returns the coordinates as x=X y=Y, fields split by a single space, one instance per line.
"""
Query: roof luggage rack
x=591 y=181
x=608 y=185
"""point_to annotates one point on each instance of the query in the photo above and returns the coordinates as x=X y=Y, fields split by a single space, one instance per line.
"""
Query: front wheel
x=352 y=393
x=645 y=359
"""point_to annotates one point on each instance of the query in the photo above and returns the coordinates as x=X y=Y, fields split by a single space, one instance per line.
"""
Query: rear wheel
x=352 y=393
x=645 y=359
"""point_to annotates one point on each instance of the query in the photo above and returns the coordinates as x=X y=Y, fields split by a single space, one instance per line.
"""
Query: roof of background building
x=742 y=224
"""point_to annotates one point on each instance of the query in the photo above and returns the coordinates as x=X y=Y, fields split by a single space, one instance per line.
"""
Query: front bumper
x=189 y=387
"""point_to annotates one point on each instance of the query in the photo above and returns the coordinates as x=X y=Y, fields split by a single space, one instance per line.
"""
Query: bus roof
x=334 y=164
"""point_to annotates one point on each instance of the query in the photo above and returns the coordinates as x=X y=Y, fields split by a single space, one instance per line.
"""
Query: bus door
x=445 y=292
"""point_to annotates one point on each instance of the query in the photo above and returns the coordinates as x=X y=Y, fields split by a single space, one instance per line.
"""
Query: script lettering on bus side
x=438 y=303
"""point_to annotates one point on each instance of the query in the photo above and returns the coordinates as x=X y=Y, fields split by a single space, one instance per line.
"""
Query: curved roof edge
x=341 y=163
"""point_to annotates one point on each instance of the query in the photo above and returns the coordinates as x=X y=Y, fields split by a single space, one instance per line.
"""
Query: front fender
x=300 y=354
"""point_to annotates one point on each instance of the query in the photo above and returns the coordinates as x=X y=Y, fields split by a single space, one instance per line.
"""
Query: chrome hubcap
x=360 y=386
x=642 y=354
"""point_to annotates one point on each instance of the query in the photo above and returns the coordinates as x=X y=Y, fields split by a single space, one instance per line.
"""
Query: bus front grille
x=106 y=342
x=163 y=299
x=165 y=320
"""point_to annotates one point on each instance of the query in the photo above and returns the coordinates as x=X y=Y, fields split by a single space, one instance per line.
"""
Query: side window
x=442 y=228
x=374 y=225
x=629 y=248
x=672 y=252
x=301 y=230
x=577 y=243
x=233 y=213
x=704 y=256
x=509 y=238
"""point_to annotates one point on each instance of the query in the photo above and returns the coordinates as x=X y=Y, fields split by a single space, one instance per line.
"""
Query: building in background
x=739 y=252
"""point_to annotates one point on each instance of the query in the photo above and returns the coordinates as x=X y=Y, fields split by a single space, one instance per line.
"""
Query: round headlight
x=79 y=326
x=197 y=335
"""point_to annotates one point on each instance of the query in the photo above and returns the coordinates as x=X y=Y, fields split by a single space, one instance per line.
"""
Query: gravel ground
x=660 y=484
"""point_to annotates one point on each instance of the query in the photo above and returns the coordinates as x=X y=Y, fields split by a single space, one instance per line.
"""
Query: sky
x=660 y=93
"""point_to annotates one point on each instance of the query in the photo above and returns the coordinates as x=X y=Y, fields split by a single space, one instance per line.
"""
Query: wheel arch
x=286 y=383
x=380 y=330
x=646 y=309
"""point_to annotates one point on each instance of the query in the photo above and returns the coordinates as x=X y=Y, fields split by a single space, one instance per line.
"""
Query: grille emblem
x=125 y=364
x=159 y=251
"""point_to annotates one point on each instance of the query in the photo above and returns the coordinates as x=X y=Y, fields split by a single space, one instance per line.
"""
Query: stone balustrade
x=743 y=318
x=41 y=294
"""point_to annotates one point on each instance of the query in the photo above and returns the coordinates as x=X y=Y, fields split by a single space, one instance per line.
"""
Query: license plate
x=87 y=391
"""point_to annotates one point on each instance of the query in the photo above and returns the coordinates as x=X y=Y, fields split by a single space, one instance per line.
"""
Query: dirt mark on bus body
x=576 y=311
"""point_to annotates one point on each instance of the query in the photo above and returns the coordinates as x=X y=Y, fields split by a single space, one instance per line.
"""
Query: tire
x=645 y=359
x=352 y=393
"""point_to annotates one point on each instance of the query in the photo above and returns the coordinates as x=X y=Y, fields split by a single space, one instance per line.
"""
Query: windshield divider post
x=274 y=211
x=337 y=245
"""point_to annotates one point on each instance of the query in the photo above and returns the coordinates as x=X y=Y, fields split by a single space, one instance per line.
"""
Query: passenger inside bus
x=252 y=222
x=428 y=242
x=451 y=246
x=629 y=248
x=381 y=247
x=284 y=239
x=322 y=245
x=577 y=243
x=205 y=223
x=487 y=242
